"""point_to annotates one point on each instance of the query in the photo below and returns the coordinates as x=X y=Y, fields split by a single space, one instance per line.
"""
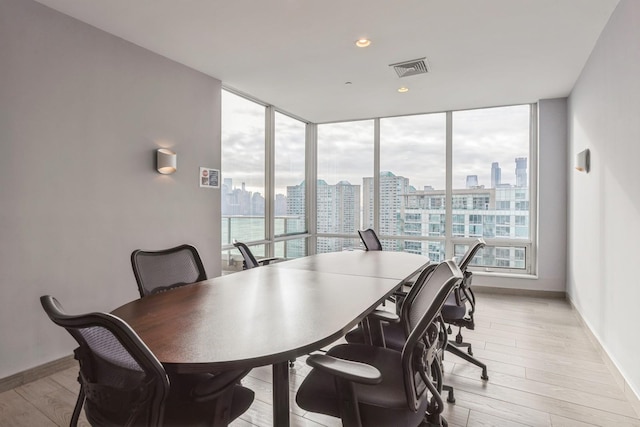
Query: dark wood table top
x=260 y=316
x=388 y=265
x=267 y=315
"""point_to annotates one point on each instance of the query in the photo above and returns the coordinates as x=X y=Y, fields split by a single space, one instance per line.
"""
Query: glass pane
x=242 y=228
x=291 y=248
x=289 y=207
x=243 y=160
x=412 y=176
x=345 y=157
x=232 y=260
x=512 y=257
x=337 y=244
x=490 y=175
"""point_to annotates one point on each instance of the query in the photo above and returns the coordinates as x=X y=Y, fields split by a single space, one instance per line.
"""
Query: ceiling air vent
x=411 y=68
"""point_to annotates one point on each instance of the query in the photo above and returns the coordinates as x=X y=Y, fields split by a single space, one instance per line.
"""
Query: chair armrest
x=266 y=261
x=209 y=387
x=384 y=315
x=372 y=326
x=351 y=371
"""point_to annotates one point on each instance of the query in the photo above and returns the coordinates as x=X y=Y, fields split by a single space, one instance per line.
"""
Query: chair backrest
x=470 y=254
x=161 y=270
x=249 y=260
x=422 y=312
x=122 y=381
x=413 y=292
x=463 y=292
x=370 y=240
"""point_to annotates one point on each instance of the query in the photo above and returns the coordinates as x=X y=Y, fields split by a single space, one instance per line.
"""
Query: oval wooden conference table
x=267 y=315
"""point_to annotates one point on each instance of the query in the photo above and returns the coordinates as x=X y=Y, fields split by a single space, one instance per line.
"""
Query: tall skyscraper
x=521 y=172
x=472 y=181
x=338 y=210
x=495 y=175
x=228 y=182
x=392 y=188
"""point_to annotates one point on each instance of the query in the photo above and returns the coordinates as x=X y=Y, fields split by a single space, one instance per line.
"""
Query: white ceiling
x=298 y=54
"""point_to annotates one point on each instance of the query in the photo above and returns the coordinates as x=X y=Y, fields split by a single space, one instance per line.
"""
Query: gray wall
x=552 y=205
x=81 y=114
x=604 y=205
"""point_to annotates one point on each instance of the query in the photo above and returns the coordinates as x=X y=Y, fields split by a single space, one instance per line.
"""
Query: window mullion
x=311 y=180
x=269 y=171
x=531 y=259
x=376 y=175
x=448 y=199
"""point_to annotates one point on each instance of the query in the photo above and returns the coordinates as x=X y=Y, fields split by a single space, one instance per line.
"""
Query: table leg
x=281 y=394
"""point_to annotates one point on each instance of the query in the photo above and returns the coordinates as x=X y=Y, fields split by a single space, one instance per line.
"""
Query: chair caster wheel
x=485 y=376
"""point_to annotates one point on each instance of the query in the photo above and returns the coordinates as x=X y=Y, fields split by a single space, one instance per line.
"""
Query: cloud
x=410 y=146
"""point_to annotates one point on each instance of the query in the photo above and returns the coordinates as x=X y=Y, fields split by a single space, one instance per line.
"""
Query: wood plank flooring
x=544 y=370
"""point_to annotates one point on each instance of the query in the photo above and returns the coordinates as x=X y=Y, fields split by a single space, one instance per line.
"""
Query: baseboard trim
x=36 y=373
x=630 y=394
x=520 y=292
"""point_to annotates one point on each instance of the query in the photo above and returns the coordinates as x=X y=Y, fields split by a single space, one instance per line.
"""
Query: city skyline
x=252 y=202
x=414 y=146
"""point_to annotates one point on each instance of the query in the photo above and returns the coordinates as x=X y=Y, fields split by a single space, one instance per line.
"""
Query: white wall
x=552 y=205
x=81 y=114
x=604 y=205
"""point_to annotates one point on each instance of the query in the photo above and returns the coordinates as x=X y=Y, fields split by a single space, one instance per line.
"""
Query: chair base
x=450 y=396
x=461 y=354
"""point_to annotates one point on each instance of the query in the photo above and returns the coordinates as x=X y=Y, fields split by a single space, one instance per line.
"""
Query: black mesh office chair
x=454 y=311
x=387 y=329
x=460 y=307
x=158 y=271
x=381 y=329
x=250 y=260
x=375 y=386
x=163 y=270
x=123 y=384
x=370 y=240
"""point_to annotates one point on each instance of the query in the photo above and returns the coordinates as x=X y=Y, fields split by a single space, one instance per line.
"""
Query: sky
x=410 y=146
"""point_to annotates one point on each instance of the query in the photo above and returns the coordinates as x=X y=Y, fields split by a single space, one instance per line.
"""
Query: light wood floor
x=543 y=371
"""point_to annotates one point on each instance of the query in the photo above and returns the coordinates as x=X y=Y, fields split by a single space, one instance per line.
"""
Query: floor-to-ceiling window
x=290 y=186
x=412 y=183
x=492 y=184
x=263 y=181
x=243 y=169
x=345 y=155
x=429 y=183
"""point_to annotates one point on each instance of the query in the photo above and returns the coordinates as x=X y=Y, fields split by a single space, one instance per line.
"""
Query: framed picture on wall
x=209 y=178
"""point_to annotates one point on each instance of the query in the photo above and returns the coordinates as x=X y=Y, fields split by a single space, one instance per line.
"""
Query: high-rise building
x=338 y=210
x=495 y=175
x=392 y=188
x=472 y=181
x=228 y=182
x=280 y=208
x=296 y=200
x=521 y=172
x=488 y=213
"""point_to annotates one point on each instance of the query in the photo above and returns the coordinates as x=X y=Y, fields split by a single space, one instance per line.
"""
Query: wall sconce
x=583 y=160
x=166 y=161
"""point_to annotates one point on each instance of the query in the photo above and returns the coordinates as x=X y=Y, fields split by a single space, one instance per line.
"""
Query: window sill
x=505 y=275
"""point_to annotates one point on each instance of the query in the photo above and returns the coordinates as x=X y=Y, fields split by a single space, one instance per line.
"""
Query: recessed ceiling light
x=403 y=89
x=363 y=42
